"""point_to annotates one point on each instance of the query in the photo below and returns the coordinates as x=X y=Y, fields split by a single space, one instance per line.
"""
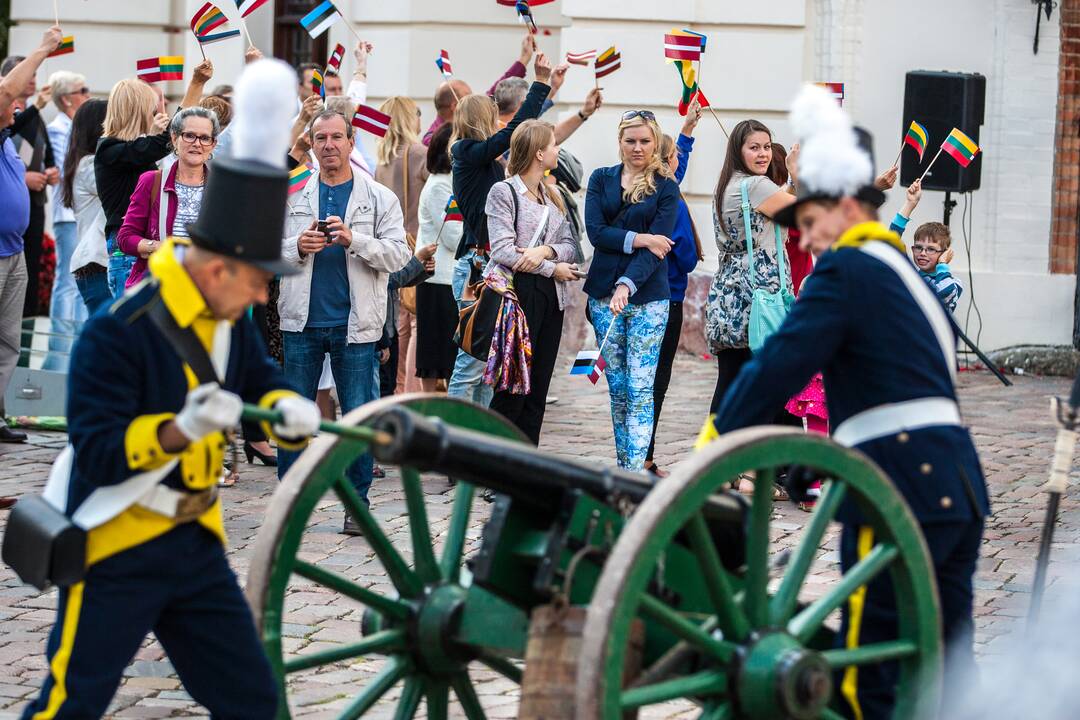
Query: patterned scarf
x=510 y=358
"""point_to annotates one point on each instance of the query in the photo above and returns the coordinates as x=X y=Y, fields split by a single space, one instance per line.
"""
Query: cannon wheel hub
x=435 y=623
x=781 y=679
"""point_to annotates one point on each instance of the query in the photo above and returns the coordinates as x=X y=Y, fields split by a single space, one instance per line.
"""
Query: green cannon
x=681 y=592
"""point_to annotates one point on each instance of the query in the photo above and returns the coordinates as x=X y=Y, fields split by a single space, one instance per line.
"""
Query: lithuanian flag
x=453 y=212
x=67 y=45
x=688 y=77
x=298 y=178
x=917 y=137
x=961 y=147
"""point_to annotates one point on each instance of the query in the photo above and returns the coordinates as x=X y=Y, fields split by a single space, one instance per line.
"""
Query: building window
x=292 y=42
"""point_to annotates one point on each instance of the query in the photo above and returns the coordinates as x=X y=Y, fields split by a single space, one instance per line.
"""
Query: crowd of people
x=389 y=271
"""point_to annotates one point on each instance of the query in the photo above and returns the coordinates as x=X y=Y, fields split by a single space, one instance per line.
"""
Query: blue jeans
x=467 y=380
x=67 y=311
x=119 y=266
x=632 y=353
x=353 y=366
x=94 y=288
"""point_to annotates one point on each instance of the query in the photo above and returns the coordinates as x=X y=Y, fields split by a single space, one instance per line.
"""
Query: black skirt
x=436 y=321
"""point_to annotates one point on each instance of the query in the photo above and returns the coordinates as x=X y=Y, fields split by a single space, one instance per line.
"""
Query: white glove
x=300 y=418
x=208 y=408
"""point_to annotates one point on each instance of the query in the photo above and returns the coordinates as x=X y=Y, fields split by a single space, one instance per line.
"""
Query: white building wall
x=758 y=54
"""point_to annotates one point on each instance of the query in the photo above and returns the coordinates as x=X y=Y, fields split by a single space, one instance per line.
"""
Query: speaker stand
x=949 y=205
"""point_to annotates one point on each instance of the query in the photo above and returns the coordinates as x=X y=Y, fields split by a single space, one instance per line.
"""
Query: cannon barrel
x=520 y=471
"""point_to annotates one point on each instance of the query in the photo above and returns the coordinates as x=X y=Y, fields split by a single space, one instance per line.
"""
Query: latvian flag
x=834 y=89
x=370 y=119
x=453 y=212
x=443 y=63
x=67 y=45
x=581 y=58
x=158 y=69
x=333 y=65
x=208 y=19
x=589 y=362
x=298 y=177
x=608 y=62
x=962 y=148
x=321 y=19
x=682 y=46
x=246 y=7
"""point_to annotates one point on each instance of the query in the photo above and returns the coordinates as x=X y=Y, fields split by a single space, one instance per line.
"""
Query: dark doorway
x=291 y=42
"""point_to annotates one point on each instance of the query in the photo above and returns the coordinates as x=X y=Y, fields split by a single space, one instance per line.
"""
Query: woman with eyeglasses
x=630 y=214
x=135 y=138
x=166 y=202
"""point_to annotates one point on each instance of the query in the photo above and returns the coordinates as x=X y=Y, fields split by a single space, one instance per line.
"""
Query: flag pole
x=940 y=150
x=603 y=343
x=244 y=27
x=450 y=84
x=203 y=52
x=897 y=161
x=56 y=10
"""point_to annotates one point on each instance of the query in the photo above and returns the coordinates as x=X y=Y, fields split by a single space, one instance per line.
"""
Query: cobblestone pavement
x=1011 y=426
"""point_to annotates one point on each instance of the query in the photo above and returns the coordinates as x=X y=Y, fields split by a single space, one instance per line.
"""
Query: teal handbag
x=767 y=310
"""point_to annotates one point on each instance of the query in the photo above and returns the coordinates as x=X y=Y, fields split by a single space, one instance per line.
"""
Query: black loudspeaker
x=941 y=101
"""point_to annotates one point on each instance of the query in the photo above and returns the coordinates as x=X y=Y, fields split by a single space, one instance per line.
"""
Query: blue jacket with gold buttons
x=857 y=323
x=126 y=380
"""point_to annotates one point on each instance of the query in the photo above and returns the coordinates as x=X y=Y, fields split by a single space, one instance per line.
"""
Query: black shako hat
x=867 y=193
x=243 y=214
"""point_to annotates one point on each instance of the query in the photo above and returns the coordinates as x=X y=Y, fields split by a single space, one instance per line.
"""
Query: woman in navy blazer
x=630 y=213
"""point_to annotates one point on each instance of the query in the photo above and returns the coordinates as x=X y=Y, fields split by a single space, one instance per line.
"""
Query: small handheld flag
x=333 y=65
x=443 y=63
x=317 y=83
x=67 y=45
x=321 y=19
x=246 y=7
x=512 y=3
x=581 y=58
x=679 y=45
x=208 y=19
x=590 y=363
x=298 y=177
x=608 y=62
x=835 y=89
x=962 y=148
x=525 y=15
x=917 y=137
x=453 y=212
x=703 y=36
x=690 y=88
x=159 y=69
x=370 y=119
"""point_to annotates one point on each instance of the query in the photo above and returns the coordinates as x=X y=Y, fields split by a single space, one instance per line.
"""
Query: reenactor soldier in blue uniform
x=888 y=354
x=146 y=427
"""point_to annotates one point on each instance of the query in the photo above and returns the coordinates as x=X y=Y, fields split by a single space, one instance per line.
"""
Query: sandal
x=654 y=469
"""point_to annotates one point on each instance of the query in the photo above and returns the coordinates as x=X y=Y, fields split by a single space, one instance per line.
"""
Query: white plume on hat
x=264 y=103
x=830 y=159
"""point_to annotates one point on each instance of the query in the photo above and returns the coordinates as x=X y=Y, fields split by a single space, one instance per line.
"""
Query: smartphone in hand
x=323 y=227
x=579 y=274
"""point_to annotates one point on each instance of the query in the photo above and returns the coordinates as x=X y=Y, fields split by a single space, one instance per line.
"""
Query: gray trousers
x=12 y=292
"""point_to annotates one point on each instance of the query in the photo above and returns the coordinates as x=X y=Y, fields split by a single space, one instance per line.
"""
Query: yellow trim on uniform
x=182 y=298
x=141 y=444
x=849 y=687
x=708 y=433
x=860 y=234
x=59 y=665
x=267 y=401
x=137 y=525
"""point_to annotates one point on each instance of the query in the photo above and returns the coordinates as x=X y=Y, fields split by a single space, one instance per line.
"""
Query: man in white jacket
x=346 y=234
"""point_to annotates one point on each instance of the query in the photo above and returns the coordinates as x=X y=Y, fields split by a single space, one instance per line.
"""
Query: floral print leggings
x=632 y=352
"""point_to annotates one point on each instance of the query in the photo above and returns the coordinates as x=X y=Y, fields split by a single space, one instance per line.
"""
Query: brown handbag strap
x=405 y=174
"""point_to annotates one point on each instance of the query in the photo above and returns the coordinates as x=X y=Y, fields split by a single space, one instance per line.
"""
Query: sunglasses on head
x=647 y=115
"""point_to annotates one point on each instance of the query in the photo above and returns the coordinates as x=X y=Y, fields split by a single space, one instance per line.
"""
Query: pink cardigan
x=141 y=218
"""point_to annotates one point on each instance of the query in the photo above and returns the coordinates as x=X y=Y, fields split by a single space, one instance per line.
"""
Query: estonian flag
x=320 y=19
x=589 y=362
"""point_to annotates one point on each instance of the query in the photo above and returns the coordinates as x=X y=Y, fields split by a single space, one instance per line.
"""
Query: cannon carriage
x=668 y=585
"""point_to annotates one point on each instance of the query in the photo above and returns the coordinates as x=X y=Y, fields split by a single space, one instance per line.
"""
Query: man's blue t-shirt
x=14 y=199
x=330 y=302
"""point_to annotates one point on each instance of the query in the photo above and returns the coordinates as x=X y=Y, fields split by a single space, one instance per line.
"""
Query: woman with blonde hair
x=135 y=137
x=532 y=248
x=476 y=145
x=630 y=214
x=402 y=167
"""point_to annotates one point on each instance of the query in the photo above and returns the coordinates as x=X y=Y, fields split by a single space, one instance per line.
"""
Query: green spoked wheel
x=759 y=650
x=411 y=613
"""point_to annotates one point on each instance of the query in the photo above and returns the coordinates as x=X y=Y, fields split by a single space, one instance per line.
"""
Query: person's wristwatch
x=582 y=115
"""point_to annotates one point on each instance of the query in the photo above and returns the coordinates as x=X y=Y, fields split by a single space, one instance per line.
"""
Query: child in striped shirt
x=932 y=252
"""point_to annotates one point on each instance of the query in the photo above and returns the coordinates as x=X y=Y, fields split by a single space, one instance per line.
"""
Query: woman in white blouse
x=90 y=260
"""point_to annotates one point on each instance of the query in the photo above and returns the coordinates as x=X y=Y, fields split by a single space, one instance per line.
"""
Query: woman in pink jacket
x=194 y=133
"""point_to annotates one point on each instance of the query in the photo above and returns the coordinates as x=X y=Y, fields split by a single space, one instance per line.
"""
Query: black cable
x=967 y=228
